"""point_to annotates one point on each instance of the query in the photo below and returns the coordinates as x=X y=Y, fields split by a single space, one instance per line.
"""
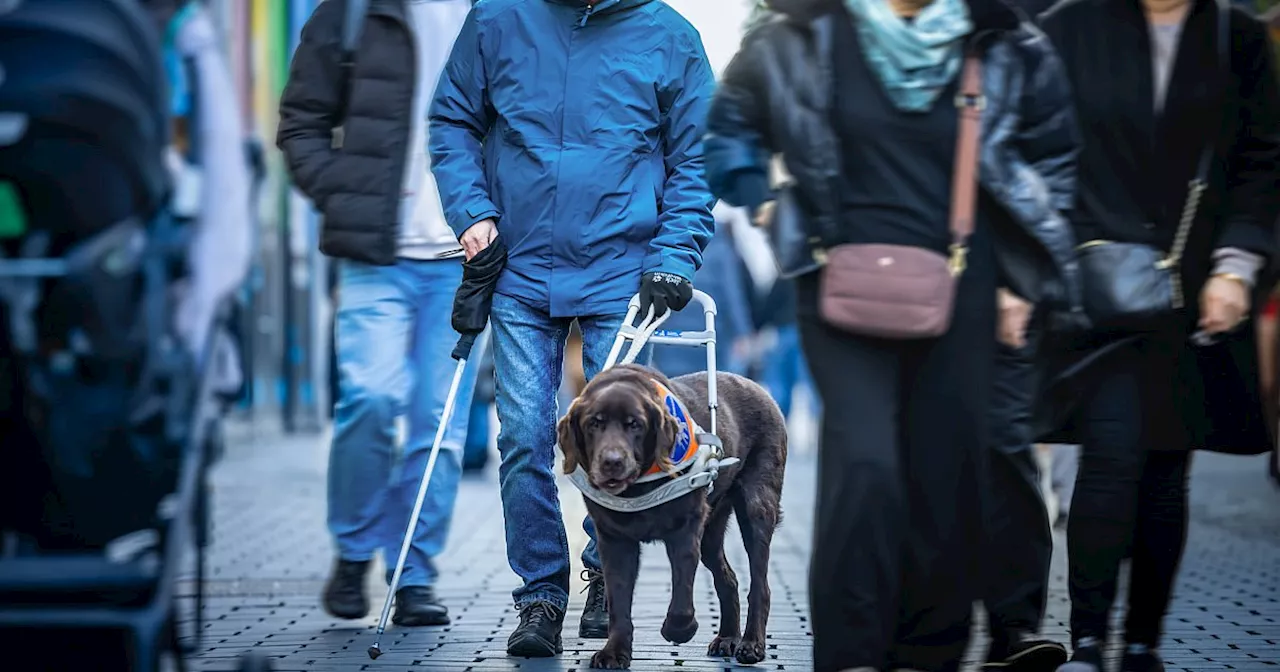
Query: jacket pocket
x=325 y=186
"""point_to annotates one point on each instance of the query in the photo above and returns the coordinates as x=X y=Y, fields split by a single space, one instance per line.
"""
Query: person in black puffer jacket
x=398 y=266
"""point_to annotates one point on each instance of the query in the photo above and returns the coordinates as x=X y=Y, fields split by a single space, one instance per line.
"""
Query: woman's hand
x=764 y=214
x=477 y=238
x=1015 y=313
x=1224 y=302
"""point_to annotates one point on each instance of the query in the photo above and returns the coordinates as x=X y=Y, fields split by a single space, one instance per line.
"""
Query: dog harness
x=696 y=458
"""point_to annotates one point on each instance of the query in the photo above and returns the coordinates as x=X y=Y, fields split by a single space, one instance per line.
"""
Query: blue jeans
x=528 y=351
x=785 y=368
x=394 y=341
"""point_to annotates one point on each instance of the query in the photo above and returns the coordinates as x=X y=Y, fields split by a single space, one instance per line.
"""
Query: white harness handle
x=710 y=458
x=647 y=332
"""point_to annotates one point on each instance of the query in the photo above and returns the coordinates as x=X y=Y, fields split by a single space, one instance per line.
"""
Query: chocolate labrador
x=619 y=429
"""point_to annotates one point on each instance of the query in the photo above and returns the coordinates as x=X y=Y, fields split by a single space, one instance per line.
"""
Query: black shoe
x=1021 y=651
x=417 y=606
x=344 y=594
x=538 y=635
x=595 y=616
x=1141 y=659
x=1086 y=658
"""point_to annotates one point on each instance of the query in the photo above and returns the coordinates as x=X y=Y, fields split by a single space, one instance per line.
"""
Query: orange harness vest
x=684 y=452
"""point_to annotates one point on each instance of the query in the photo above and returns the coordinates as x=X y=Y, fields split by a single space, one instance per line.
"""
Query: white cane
x=445 y=417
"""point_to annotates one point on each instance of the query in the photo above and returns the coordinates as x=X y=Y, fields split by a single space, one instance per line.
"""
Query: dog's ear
x=664 y=429
x=569 y=436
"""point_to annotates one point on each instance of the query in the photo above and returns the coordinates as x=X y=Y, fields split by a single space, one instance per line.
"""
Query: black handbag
x=1136 y=287
x=793 y=246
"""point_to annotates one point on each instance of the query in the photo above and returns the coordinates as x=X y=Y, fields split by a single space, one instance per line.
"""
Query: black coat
x=356 y=186
x=775 y=98
x=1134 y=168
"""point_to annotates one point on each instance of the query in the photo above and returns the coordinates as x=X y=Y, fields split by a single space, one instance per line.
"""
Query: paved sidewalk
x=271 y=554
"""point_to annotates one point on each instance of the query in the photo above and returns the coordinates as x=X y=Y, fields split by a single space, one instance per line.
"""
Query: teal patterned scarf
x=915 y=60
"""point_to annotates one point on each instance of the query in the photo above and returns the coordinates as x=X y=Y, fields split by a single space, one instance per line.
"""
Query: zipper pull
x=586 y=14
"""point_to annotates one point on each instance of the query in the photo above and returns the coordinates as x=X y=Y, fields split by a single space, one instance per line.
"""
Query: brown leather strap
x=964 y=178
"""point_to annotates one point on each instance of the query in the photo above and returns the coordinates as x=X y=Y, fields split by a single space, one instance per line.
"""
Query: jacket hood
x=986 y=14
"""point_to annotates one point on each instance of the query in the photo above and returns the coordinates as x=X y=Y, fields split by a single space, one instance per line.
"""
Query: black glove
x=663 y=291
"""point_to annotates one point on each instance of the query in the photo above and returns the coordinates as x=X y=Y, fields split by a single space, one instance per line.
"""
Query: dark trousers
x=901 y=478
x=1130 y=497
x=1020 y=541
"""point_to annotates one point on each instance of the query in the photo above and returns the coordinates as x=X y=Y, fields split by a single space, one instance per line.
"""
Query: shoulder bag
x=904 y=292
x=1135 y=286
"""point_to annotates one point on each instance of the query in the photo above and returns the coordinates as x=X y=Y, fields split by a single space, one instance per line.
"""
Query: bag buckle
x=959 y=260
x=970 y=100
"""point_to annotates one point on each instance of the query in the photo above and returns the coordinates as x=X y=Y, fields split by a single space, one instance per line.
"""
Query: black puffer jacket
x=357 y=186
x=776 y=97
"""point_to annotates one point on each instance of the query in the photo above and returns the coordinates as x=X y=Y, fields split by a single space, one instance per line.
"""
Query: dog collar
x=702 y=473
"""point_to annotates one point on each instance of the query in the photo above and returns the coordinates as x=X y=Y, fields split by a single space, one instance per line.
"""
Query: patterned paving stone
x=271 y=554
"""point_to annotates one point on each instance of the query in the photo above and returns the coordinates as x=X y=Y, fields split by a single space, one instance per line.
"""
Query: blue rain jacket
x=580 y=130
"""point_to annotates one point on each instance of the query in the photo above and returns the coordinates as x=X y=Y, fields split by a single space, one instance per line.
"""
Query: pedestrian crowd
x=987 y=226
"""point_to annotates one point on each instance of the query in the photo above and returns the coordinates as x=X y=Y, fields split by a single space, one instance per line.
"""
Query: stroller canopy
x=83 y=115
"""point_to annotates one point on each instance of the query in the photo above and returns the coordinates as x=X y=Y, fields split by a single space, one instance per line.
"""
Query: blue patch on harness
x=681 y=448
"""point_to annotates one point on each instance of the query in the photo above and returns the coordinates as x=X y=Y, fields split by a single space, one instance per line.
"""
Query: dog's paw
x=679 y=628
x=750 y=651
x=723 y=647
x=610 y=658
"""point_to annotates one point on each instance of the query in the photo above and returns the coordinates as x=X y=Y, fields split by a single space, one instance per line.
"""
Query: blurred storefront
x=285 y=303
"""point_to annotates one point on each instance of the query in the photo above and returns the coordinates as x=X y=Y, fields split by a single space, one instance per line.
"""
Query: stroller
x=108 y=420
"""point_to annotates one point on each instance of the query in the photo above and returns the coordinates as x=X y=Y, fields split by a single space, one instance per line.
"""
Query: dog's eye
x=632 y=423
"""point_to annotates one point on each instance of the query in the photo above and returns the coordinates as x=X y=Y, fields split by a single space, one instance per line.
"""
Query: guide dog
x=621 y=428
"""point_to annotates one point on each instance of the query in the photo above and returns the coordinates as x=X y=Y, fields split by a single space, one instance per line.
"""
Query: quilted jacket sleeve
x=311 y=103
x=1048 y=138
x=737 y=154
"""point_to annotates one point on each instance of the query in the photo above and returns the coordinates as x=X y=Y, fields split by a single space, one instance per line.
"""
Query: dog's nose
x=613 y=465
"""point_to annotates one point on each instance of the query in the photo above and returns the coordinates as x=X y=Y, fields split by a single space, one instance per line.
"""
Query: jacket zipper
x=586 y=14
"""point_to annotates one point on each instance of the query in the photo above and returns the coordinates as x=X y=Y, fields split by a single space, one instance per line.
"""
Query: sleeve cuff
x=1246 y=235
x=1237 y=262
x=747 y=189
x=472 y=216
x=657 y=262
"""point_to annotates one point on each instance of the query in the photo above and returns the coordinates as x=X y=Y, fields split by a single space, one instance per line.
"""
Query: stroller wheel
x=255 y=662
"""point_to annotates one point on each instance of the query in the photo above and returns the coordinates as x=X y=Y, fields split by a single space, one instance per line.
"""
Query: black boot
x=1086 y=658
x=1022 y=651
x=417 y=606
x=595 y=616
x=344 y=595
x=538 y=635
x=1139 y=658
